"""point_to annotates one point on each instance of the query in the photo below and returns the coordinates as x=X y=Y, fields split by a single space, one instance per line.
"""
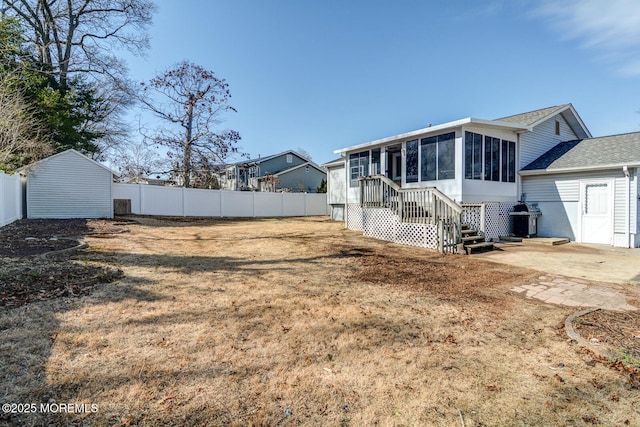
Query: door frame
x=581 y=205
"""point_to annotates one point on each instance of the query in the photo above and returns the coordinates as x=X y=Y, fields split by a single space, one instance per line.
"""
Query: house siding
x=558 y=197
x=301 y=181
x=279 y=163
x=542 y=139
x=69 y=185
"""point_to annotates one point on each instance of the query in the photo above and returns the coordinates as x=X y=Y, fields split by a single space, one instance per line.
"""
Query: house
x=589 y=189
x=68 y=185
x=286 y=171
x=336 y=188
x=420 y=187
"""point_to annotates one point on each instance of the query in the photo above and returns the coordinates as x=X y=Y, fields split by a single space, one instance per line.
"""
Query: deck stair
x=474 y=241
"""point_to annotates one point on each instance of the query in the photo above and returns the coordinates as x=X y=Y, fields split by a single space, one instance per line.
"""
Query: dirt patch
x=445 y=277
x=299 y=322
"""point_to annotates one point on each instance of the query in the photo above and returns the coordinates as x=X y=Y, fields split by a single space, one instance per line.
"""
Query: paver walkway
x=573 y=292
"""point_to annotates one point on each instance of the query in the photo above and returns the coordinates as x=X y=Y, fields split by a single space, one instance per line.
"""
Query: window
x=472 y=155
x=375 y=161
x=289 y=158
x=231 y=173
x=438 y=157
x=508 y=161
x=557 y=127
x=411 y=161
x=253 y=172
x=489 y=158
x=358 y=166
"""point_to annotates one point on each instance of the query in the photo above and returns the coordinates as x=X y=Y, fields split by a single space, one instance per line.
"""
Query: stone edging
x=64 y=251
x=568 y=326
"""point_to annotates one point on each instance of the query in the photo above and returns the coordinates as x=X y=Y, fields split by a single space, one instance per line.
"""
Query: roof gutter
x=576 y=169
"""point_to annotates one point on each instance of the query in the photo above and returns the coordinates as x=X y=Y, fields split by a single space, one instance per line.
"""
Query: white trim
x=577 y=169
x=515 y=127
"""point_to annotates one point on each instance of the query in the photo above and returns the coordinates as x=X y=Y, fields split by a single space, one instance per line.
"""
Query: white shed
x=69 y=185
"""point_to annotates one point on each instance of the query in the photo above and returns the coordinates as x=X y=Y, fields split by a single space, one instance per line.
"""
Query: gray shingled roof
x=590 y=153
x=532 y=117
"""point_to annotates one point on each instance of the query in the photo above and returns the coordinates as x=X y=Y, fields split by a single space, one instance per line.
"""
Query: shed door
x=596 y=220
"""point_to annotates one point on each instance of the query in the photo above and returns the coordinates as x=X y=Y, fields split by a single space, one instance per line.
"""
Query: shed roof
x=70 y=151
x=605 y=152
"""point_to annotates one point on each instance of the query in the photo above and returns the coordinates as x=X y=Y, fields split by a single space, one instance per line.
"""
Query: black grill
x=525 y=220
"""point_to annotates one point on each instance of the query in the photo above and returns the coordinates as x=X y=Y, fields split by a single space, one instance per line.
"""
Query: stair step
x=472 y=238
x=483 y=245
x=468 y=231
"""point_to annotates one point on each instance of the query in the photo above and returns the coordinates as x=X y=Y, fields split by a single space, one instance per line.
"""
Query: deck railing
x=415 y=205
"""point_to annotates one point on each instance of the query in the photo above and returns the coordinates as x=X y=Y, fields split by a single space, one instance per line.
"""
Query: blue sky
x=323 y=75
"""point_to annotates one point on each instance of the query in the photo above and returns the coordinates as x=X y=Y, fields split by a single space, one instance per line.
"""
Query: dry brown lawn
x=300 y=322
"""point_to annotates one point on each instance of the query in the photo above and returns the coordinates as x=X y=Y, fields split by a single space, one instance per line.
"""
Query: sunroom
x=469 y=165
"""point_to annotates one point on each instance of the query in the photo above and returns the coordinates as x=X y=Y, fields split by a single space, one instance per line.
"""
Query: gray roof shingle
x=590 y=153
x=532 y=117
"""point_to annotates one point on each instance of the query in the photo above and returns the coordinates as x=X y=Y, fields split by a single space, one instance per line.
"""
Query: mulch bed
x=26 y=277
x=618 y=330
x=28 y=237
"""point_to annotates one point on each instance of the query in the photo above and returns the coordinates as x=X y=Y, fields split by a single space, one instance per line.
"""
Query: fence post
x=483 y=213
x=441 y=236
x=2 y=196
x=282 y=203
x=184 y=202
x=140 y=199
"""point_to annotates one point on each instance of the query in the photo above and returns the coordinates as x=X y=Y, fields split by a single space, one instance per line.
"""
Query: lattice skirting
x=383 y=224
x=498 y=220
x=496 y=223
x=354 y=217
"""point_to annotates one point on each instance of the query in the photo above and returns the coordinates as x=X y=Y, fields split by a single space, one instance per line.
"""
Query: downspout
x=627 y=228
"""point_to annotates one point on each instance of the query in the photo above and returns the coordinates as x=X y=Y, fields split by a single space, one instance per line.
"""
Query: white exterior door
x=596 y=211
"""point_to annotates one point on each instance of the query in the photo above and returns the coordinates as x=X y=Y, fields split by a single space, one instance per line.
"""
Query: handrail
x=426 y=205
x=450 y=202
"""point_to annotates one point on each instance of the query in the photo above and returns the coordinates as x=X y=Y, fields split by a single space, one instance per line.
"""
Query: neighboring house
x=286 y=171
x=69 y=185
x=417 y=187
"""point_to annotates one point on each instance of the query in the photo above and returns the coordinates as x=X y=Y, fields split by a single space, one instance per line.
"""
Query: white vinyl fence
x=173 y=201
x=10 y=198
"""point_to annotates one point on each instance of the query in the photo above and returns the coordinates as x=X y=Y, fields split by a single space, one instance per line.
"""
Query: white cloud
x=611 y=28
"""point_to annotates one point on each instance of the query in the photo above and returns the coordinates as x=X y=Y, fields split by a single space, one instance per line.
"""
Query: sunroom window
x=358 y=166
x=375 y=161
x=437 y=157
x=412 y=161
x=489 y=158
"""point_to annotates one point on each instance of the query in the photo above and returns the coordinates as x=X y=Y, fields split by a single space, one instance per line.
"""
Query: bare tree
x=191 y=100
x=137 y=161
x=22 y=136
x=79 y=36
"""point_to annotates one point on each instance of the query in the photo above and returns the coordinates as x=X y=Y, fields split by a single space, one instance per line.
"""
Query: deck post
x=441 y=236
